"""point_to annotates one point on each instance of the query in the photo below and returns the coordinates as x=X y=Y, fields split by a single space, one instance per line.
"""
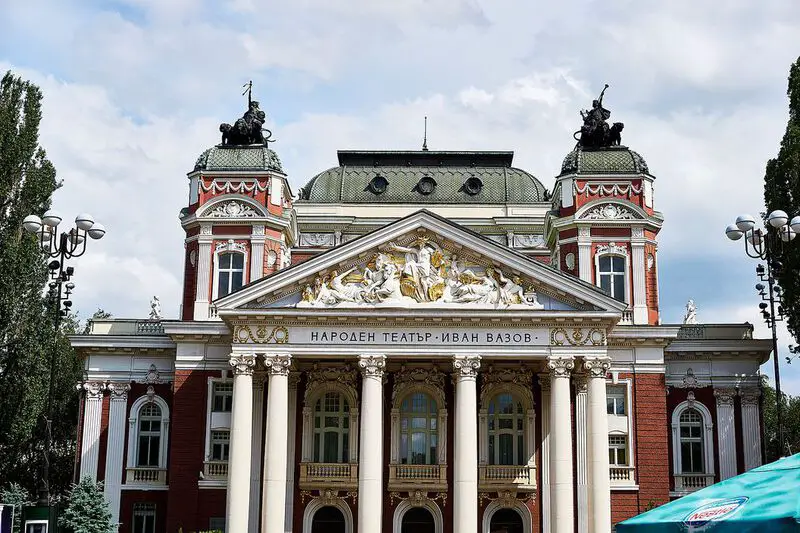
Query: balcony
x=507 y=477
x=328 y=475
x=404 y=477
x=622 y=476
x=685 y=483
x=215 y=470
x=146 y=476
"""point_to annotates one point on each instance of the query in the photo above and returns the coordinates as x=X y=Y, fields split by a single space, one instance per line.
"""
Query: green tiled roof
x=254 y=157
x=350 y=182
x=612 y=160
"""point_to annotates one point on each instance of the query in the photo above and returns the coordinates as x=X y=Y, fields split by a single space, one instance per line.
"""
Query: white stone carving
x=570 y=261
x=272 y=258
x=259 y=231
x=317 y=239
x=528 y=241
x=155 y=309
x=651 y=261
x=232 y=209
x=240 y=186
x=232 y=246
x=243 y=364
x=609 y=212
x=607 y=189
x=637 y=233
x=206 y=229
x=425 y=273
x=152 y=376
x=193 y=257
x=612 y=248
x=690 y=317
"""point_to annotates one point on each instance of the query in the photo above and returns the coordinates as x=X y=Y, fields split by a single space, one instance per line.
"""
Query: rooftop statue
x=249 y=129
x=595 y=132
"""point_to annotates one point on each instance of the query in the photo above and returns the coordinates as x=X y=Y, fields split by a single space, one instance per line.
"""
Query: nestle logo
x=714 y=511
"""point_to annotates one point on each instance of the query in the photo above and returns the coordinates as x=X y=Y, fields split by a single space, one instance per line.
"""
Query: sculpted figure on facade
x=425 y=273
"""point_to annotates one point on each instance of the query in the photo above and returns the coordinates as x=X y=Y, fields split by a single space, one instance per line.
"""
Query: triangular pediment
x=422 y=261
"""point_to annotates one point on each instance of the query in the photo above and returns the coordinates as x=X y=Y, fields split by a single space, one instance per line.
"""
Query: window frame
x=226 y=247
x=517 y=416
x=223 y=395
x=429 y=416
x=617 y=393
x=320 y=389
x=707 y=433
x=617 y=252
x=342 y=433
x=528 y=426
x=619 y=446
x=133 y=431
x=405 y=390
x=225 y=443
x=150 y=511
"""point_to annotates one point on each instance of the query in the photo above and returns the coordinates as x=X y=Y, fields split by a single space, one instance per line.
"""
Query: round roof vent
x=473 y=185
x=426 y=185
x=378 y=184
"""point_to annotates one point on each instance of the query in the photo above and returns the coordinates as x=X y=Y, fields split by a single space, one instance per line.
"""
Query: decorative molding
x=544 y=382
x=560 y=365
x=569 y=260
x=750 y=396
x=466 y=366
x=611 y=248
x=597 y=367
x=372 y=365
x=259 y=231
x=578 y=337
x=239 y=186
x=243 y=364
x=317 y=239
x=637 y=232
x=528 y=241
x=232 y=209
x=246 y=334
x=277 y=363
x=725 y=396
x=651 y=261
x=152 y=377
x=118 y=390
x=206 y=229
x=492 y=377
x=609 y=212
x=690 y=381
x=318 y=375
x=93 y=389
x=605 y=188
x=584 y=231
x=231 y=246
x=408 y=378
x=581 y=382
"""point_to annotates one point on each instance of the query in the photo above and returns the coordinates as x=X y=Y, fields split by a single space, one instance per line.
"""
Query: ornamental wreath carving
x=493 y=376
x=319 y=375
x=409 y=377
x=420 y=273
x=243 y=334
x=232 y=209
x=612 y=248
x=577 y=337
x=609 y=212
x=317 y=239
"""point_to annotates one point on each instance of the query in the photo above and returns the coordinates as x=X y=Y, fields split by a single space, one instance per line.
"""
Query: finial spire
x=425 y=137
x=249 y=91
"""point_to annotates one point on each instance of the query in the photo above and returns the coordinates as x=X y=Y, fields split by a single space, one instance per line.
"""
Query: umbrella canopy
x=765 y=499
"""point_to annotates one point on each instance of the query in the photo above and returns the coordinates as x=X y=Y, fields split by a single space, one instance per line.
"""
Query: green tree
x=27 y=181
x=87 y=510
x=791 y=425
x=782 y=191
x=17 y=496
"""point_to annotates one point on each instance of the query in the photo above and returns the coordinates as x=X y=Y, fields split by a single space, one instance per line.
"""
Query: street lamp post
x=59 y=248
x=767 y=245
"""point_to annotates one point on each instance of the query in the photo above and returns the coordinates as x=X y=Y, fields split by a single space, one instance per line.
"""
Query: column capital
x=581 y=383
x=466 y=366
x=243 y=363
x=372 y=365
x=725 y=396
x=750 y=395
x=597 y=367
x=94 y=389
x=119 y=391
x=544 y=382
x=560 y=365
x=277 y=363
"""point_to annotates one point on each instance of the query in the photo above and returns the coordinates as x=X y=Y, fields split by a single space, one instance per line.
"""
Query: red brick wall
x=131 y=497
x=101 y=461
x=187 y=447
x=211 y=504
x=189 y=281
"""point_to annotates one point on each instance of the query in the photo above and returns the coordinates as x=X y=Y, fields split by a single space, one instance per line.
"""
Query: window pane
x=506 y=450
x=153 y=454
x=222 y=288
x=345 y=448
x=316 y=447
x=225 y=261
x=618 y=263
x=505 y=423
x=143 y=450
x=418 y=423
x=433 y=424
x=331 y=447
x=238 y=260
x=404 y=448
x=605 y=263
x=622 y=458
x=610 y=405
x=236 y=284
x=619 y=287
x=434 y=447
x=605 y=283
x=492 y=460
x=418 y=448
x=520 y=451
x=620 y=406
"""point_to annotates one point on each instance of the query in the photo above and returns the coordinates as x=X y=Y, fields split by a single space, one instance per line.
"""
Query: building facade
x=418 y=341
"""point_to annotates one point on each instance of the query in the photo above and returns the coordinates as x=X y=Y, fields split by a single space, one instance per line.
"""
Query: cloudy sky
x=135 y=89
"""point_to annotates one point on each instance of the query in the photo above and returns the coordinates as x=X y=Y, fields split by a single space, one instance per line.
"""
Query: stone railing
x=692 y=482
x=215 y=469
x=627 y=318
x=149 y=327
x=322 y=475
x=432 y=477
x=507 y=476
x=146 y=476
x=621 y=475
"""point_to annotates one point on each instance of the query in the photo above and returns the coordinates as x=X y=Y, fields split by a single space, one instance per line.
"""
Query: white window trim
x=318 y=503
x=407 y=505
x=628 y=433
x=438 y=396
x=318 y=392
x=133 y=430
x=708 y=436
x=615 y=250
x=227 y=247
x=209 y=410
x=529 y=415
x=518 y=506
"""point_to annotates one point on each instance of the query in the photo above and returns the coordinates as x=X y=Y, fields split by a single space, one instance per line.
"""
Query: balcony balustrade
x=494 y=477
x=622 y=475
x=328 y=475
x=215 y=469
x=691 y=482
x=406 y=477
x=146 y=476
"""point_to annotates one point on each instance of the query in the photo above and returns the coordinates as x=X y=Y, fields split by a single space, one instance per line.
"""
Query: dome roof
x=424 y=177
x=610 y=160
x=253 y=157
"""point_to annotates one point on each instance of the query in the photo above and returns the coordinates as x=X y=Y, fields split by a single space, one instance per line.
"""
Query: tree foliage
x=17 y=496
x=27 y=181
x=782 y=191
x=87 y=510
x=791 y=425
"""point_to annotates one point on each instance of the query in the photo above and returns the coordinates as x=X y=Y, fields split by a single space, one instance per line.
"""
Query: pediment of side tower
x=420 y=262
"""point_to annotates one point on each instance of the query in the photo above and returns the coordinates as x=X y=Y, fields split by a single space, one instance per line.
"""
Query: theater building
x=417 y=341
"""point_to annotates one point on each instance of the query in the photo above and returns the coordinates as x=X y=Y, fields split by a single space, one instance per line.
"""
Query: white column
x=465 y=472
x=238 y=504
x=726 y=433
x=370 y=464
x=277 y=441
x=585 y=266
x=561 y=501
x=290 y=452
x=256 y=452
x=90 y=439
x=257 y=253
x=751 y=427
x=117 y=412
x=581 y=383
x=638 y=269
x=544 y=382
x=204 y=264
x=599 y=485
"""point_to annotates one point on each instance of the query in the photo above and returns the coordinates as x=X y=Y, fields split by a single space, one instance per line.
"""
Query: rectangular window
x=216 y=524
x=617 y=450
x=692 y=457
x=611 y=270
x=220 y=445
x=144 y=518
x=615 y=401
x=223 y=397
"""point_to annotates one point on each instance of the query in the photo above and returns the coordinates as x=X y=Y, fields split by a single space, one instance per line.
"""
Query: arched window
x=506 y=521
x=500 y=518
x=419 y=431
x=331 y=429
x=230 y=273
x=691 y=442
x=506 y=427
x=418 y=520
x=611 y=275
x=328 y=519
x=149 y=440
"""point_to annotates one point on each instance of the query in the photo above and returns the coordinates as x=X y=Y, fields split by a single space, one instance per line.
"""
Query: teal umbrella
x=763 y=500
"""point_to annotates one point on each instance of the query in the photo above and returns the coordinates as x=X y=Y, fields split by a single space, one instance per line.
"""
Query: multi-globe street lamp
x=58 y=247
x=767 y=244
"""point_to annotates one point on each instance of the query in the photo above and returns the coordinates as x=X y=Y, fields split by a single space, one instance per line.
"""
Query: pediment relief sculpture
x=420 y=273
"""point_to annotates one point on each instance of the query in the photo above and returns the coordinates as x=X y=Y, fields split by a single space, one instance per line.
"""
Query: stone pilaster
x=726 y=432
x=90 y=439
x=238 y=504
x=544 y=383
x=562 y=504
x=751 y=427
x=370 y=467
x=582 y=471
x=204 y=267
x=255 y=449
x=117 y=413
